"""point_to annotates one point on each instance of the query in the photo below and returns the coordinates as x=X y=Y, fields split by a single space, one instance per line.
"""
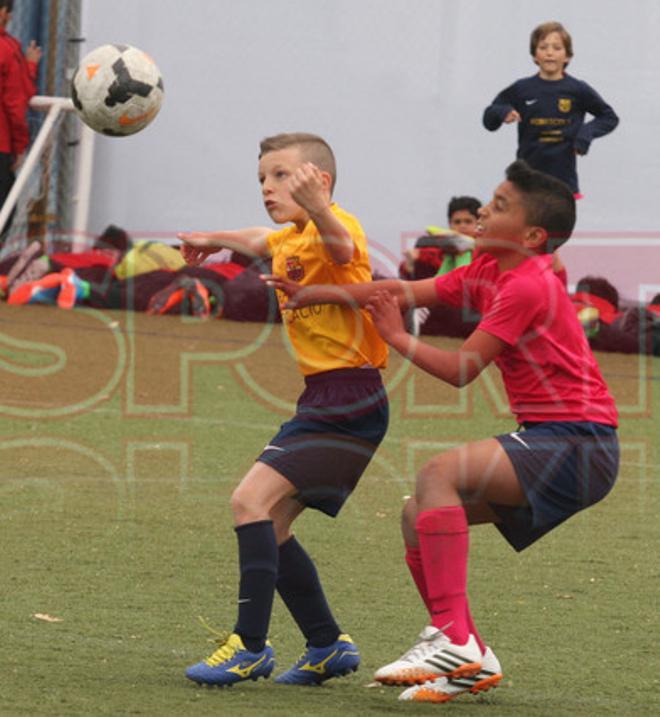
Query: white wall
x=398 y=87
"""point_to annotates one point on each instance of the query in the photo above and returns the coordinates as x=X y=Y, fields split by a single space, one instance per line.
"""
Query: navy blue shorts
x=341 y=418
x=563 y=467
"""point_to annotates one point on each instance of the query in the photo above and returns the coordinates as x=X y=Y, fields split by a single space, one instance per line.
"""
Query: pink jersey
x=549 y=371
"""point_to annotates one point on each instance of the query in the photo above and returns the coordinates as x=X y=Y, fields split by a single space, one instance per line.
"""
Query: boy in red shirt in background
x=562 y=458
x=18 y=75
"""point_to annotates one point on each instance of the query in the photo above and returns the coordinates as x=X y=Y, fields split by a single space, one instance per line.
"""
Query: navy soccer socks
x=300 y=588
x=258 y=563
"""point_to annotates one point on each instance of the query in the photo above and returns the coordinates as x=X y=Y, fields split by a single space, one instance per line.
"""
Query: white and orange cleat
x=444 y=689
x=433 y=655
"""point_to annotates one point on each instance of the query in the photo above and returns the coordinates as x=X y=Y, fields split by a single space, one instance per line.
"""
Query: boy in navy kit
x=550 y=107
x=316 y=458
x=562 y=458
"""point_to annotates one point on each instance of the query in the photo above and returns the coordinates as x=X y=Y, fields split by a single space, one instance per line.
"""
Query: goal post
x=46 y=202
x=27 y=212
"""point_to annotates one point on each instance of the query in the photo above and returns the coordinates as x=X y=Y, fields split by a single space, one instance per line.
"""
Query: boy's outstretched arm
x=457 y=368
x=408 y=294
x=197 y=246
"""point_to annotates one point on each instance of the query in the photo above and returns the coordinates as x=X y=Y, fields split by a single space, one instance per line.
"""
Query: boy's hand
x=385 y=312
x=17 y=162
x=513 y=116
x=195 y=248
x=410 y=256
x=291 y=288
x=308 y=189
x=33 y=52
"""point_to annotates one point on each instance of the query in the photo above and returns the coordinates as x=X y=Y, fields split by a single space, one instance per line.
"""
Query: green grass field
x=121 y=438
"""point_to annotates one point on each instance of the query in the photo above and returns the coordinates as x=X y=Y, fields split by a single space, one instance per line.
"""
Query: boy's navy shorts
x=563 y=467
x=341 y=417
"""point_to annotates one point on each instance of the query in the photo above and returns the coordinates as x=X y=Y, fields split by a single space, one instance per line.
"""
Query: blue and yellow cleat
x=319 y=664
x=232 y=663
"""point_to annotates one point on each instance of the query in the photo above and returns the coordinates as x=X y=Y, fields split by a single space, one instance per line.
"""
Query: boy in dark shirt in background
x=549 y=108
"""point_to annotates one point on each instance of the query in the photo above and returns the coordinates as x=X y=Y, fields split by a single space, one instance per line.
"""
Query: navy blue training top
x=552 y=126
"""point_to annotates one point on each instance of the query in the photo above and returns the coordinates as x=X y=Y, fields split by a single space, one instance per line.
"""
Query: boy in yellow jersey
x=316 y=458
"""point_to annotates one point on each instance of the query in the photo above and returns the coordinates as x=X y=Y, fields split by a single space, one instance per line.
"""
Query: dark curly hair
x=598 y=286
x=457 y=204
x=549 y=203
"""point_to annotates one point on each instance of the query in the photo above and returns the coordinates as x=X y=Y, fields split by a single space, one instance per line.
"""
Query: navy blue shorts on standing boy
x=340 y=420
x=563 y=467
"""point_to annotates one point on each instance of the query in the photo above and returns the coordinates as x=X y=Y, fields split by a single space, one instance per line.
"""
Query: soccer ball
x=117 y=90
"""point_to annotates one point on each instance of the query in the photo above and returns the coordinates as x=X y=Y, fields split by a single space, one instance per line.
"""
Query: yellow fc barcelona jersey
x=326 y=336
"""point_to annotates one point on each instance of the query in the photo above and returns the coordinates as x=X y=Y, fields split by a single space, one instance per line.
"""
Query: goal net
x=35 y=209
x=44 y=204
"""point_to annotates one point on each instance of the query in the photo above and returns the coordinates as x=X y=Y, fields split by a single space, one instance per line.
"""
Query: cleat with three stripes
x=444 y=689
x=433 y=655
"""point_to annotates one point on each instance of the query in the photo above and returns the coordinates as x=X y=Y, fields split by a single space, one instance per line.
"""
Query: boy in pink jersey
x=563 y=457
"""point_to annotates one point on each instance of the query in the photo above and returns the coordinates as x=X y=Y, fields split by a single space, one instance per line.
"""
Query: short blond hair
x=312 y=147
x=543 y=30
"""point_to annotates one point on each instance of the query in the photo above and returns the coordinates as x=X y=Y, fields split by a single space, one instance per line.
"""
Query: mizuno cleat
x=232 y=663
x=319 y=664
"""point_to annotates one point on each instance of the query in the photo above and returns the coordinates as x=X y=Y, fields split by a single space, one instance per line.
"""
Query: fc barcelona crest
x=294 y=268
x=565 y=104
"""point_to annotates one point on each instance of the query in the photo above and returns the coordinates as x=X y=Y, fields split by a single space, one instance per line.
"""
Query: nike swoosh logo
x=516 y=437
x=530 y=102
x=243 y=600
x=272 y=448
x=127 y=121
x=246 y=671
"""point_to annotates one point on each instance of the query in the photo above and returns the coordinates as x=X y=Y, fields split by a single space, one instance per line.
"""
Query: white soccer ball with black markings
x=117 y=90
